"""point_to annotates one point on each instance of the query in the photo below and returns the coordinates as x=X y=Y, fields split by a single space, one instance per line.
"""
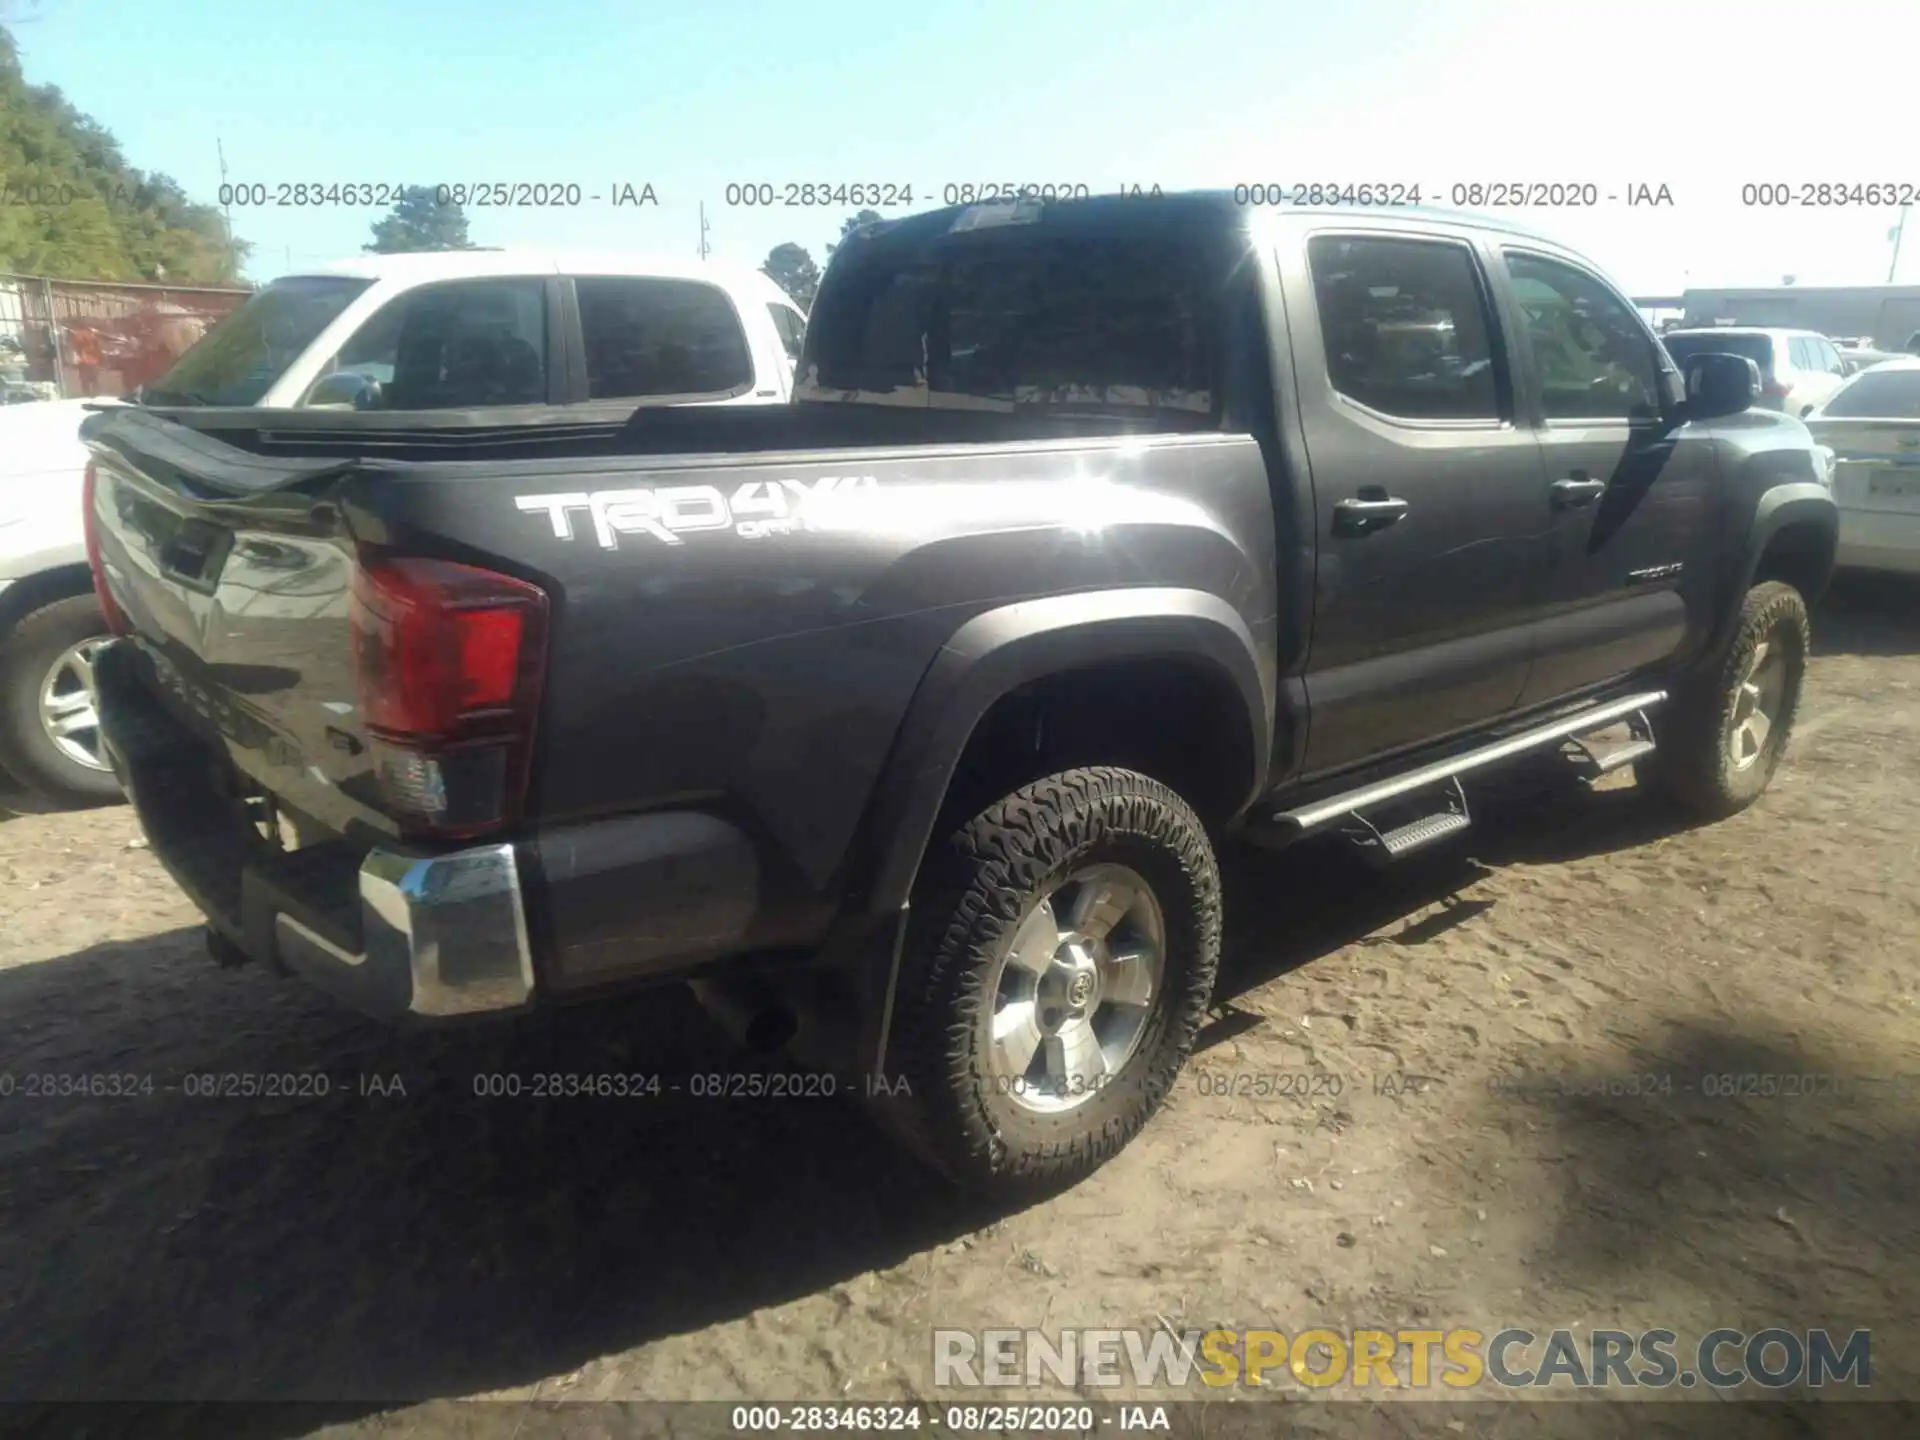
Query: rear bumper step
x=445 y=935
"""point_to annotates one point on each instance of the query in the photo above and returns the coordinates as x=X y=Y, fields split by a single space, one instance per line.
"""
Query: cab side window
x=1592 y=357
x=646 y=335
x=462 y=344
x=1405 y=326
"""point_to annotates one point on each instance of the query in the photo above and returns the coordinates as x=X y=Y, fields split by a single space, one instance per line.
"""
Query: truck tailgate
x=234 y=573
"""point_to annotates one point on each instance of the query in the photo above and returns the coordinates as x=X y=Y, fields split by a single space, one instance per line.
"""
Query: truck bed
x=235 y=568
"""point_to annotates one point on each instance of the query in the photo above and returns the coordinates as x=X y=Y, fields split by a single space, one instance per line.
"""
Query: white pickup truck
x=469 y=330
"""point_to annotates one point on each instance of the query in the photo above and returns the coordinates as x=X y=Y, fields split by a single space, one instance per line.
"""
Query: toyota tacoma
x=905 y=720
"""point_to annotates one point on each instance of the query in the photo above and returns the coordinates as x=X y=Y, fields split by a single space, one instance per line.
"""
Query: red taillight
x=109 y=607
x=449 y=660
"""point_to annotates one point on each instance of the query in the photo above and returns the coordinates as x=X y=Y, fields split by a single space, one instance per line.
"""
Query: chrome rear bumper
x=434 y=935
x=444 y=935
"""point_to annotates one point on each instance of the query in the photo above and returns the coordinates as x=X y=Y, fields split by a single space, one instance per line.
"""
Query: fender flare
x=1779 y=507
x=1004 y=648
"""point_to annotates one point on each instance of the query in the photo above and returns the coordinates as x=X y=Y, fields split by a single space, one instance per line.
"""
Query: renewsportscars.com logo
x=1514 y=1359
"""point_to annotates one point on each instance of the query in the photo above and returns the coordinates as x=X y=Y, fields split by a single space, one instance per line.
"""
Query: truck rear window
x=1018 y=317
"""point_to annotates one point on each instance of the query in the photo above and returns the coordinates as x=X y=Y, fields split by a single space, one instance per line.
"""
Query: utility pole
x=226 y=206
x=705 y=248
x=1898 y=230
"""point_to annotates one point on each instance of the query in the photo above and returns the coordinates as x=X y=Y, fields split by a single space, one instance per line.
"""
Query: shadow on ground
x=1766 y=1165
x=1813 y=1157
x=16 y=801
x=373 y=1246
x=1289 y=908
x=386 y=1245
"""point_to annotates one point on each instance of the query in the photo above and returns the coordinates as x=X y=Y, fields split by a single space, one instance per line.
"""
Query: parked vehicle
x=1858 y=355
x=905 y=721
x=446 y=331
x=1885 y=313
x=1798 y=369
x=1872 y=424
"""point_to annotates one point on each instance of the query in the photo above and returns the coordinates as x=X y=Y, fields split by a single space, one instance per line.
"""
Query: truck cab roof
x=1100 y=210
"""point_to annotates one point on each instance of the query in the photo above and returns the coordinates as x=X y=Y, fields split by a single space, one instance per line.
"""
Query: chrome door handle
x=1360 y=517
x=1571 y=493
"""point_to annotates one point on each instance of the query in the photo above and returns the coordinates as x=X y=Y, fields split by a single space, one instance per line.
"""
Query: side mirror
x=1719 y=385
x=1805 y=410
x=344 y=390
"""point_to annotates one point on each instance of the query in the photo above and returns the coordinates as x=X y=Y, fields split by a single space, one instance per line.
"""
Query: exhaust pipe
x=754 y=1017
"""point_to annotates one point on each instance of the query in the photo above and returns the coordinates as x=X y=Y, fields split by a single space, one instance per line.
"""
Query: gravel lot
x=380 y=1249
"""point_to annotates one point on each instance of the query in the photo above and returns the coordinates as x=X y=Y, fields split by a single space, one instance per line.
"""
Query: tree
x=77 y=210
x=419 y=222
x=791 y=268
x=853 y=223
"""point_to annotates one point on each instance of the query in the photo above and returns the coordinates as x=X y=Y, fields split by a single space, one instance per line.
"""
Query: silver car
x=1872 y=425
x=1798 y=369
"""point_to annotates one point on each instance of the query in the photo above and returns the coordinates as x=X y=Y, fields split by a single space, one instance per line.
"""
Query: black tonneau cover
x=203 y=466
x=250 y=451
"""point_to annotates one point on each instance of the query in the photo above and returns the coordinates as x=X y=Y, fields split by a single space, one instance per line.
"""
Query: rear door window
x=1405 y=326
x=645 y=335
x=1799 y=351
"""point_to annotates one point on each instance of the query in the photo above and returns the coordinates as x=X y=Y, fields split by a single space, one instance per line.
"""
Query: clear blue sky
x=1698 y=96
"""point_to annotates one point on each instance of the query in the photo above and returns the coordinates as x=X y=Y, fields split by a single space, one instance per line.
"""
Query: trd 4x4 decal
x=756 y=509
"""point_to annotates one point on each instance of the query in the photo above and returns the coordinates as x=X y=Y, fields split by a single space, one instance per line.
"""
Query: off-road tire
x=1693 y=766
x=976 y=887
x=26 y=752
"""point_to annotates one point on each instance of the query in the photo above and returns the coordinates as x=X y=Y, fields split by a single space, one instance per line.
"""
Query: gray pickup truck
x=905 y=720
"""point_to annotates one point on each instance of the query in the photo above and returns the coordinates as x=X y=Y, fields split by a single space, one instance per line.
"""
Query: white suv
x=1798 y=369
x=466 y=329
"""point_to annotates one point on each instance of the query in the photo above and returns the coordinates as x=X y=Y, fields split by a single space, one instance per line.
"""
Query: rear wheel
x=1060 y=957
x=49 y=729
x=1722 y=738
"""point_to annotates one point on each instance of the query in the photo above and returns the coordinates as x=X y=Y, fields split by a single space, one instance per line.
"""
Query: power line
x=226 y=207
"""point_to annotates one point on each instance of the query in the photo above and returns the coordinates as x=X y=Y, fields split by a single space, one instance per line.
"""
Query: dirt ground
x=380 y=1250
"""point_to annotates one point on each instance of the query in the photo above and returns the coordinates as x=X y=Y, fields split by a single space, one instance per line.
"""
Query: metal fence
x=83 y=338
